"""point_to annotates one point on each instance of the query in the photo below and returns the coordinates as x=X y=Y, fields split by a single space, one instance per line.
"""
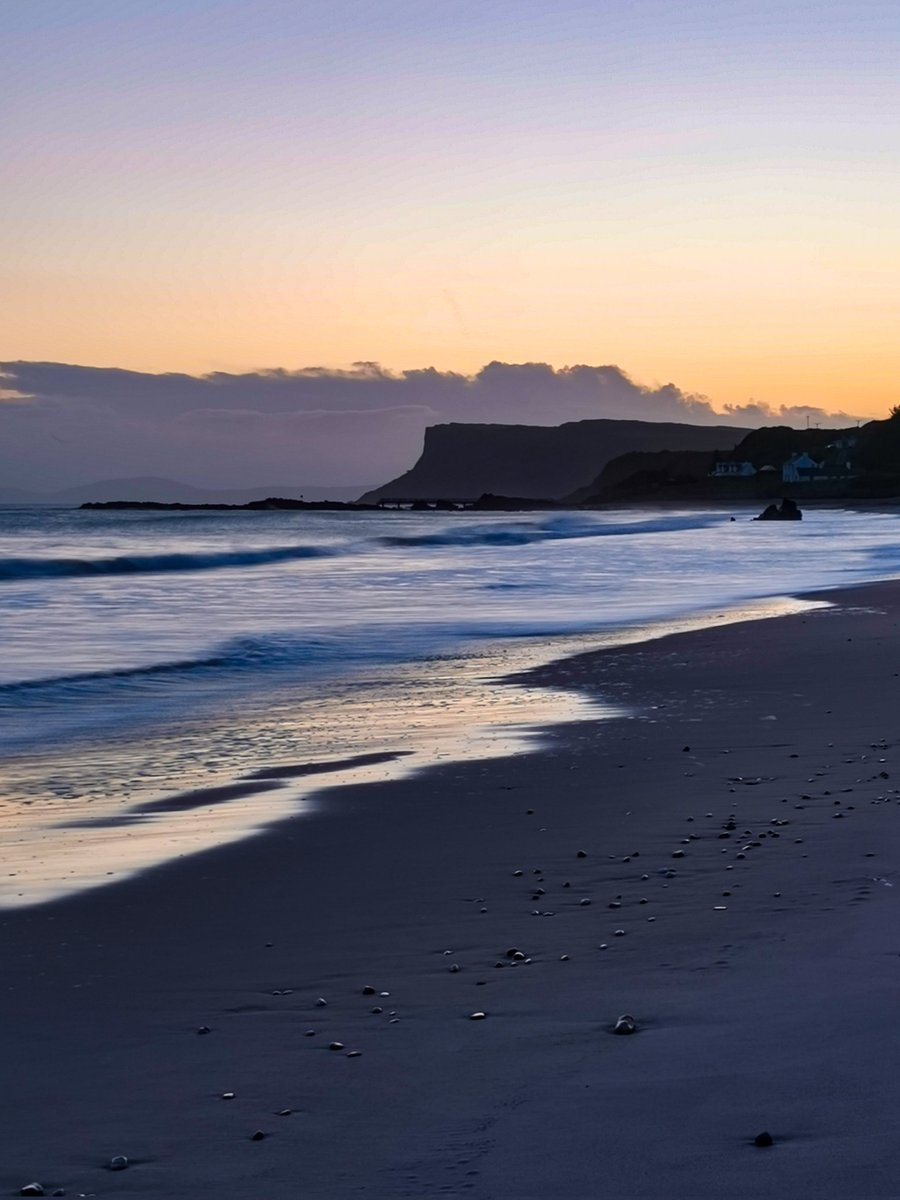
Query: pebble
x=321 y=1003
x=354 y=1053
x=336 y=1046
x=204 y=1029
x=584 y=903
x=228 y=1095
x=619 y=933
x=258 y=1136
x=310 y=1033
x=118 y=1162
x=453 y=968
x=564 y=958
x=678 y=854
x=625 y=1024
x=581 y=854
x=763 y=1139
x=284 y=1112
x=377 y=1010
x=368 y=991
x=32 y=1189
x=477 y=1016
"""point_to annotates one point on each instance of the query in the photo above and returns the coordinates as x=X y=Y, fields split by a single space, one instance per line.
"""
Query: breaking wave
x=12 y=569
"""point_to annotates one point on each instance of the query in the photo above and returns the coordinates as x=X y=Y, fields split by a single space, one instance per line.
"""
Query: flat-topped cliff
x=462 y=461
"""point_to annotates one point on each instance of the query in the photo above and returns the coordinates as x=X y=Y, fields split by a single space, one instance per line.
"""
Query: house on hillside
x=800 y=467
x=732 y=468
x=834 y=463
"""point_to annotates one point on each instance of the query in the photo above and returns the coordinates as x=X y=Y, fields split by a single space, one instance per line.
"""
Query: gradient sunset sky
x=698 y=192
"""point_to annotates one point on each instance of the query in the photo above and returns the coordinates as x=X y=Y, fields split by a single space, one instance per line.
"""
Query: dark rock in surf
x=786 y=511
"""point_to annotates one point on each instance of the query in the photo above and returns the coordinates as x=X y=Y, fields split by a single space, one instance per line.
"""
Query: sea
x=174 y=680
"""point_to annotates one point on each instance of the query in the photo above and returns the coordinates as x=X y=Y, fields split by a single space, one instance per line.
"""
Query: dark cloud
x=63 y=424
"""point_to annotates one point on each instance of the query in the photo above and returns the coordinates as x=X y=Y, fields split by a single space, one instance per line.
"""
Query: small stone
x=625 y=1024
x=564 y=958
x=258 y=1136
x=335 y=1045
x=354 y=1054
x=453 y=968
x=376 y=1011
x=32 y=1189
x=584 y=903
x=678 y=854
x=310 y=1033
x=118 y=1162
x=519 y=956
x=321 y=1002
x=228 y=1095
x=763 y=1139
x=284 y=1112
x=477 y=1016
x=204 y=1029
x=685 y=749
x=517 y=873
x=619 y=933
x=368 y=991
x=581 y=854
x=614 y=904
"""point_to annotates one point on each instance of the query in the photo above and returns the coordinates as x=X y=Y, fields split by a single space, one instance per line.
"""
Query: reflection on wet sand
x=106 y=808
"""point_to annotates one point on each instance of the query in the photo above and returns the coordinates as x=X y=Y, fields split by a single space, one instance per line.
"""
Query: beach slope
x=722 y=865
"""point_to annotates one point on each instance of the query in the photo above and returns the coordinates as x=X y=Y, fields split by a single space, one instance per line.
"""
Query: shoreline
x=496 y=704
x=735 y=997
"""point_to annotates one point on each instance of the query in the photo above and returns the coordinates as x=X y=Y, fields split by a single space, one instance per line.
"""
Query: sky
x=696 y=194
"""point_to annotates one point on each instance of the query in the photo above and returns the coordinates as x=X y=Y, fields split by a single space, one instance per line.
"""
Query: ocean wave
x=266 y=652
x=14 y=569
x=556 y=529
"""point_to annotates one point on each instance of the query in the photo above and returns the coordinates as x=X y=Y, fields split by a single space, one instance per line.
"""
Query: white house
x=730 y=468
x=800 y=466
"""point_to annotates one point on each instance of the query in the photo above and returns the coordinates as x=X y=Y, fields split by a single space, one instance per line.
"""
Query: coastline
x=106 y=990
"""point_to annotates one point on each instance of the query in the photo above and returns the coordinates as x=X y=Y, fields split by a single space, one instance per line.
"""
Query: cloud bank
x=62 y=425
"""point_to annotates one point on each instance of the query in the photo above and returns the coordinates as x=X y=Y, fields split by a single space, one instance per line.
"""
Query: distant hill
x=463 y=462
x=151 y=487
x=858 y=463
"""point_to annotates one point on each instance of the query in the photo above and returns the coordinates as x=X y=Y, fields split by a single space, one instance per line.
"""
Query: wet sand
x=769 y=1008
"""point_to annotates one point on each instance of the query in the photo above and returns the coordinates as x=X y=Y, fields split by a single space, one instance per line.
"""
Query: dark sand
x=778 y=1012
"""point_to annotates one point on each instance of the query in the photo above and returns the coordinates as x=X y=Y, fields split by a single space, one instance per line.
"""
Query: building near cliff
x=833 y=463
x=732 y=468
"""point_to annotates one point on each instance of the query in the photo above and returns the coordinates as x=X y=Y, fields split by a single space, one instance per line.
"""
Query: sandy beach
x=722 y=865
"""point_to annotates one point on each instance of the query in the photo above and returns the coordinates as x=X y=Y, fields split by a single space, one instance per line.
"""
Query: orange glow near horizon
x=659 y=188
